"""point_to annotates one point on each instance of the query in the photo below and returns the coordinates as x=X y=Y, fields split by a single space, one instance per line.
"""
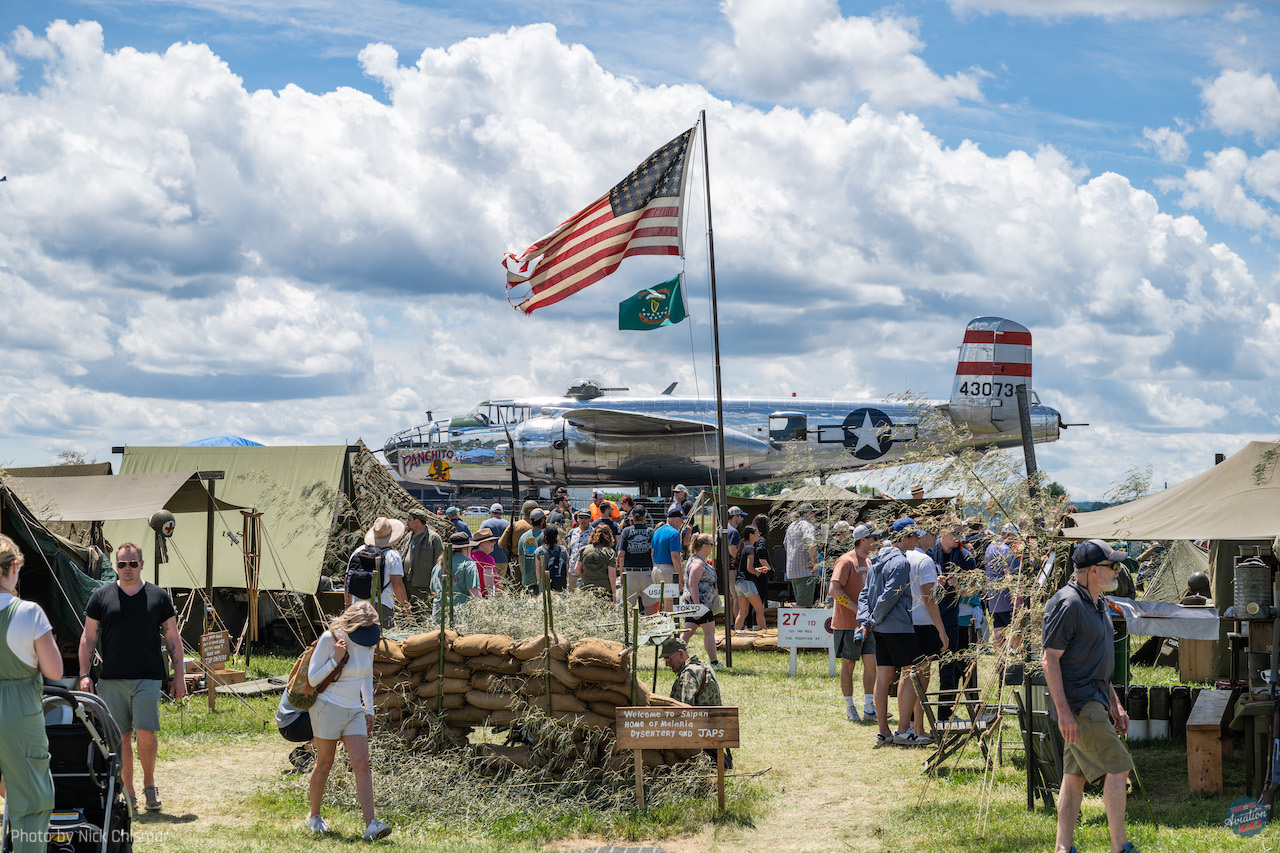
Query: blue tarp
x=223 y=441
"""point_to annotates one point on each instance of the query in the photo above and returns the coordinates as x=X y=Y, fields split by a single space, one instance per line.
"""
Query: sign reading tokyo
x=805 y=628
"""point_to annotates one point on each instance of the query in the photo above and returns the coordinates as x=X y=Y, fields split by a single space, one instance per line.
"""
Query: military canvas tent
x=297 y=489
x=1238 y=499
x=54 y=570
x=118 y=498
x=1235 y=503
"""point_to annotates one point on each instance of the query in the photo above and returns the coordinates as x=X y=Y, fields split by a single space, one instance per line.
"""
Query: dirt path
x=204 y=788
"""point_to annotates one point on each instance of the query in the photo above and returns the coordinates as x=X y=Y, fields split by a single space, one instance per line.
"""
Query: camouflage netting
x=376 y=493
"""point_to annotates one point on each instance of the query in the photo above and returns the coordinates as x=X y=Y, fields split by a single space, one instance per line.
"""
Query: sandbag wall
x=487 y=679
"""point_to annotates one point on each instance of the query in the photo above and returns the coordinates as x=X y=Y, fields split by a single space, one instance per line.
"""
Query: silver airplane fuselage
x=562 y=441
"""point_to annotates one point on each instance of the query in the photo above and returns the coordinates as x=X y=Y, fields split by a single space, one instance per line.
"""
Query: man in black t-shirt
x=131 y=615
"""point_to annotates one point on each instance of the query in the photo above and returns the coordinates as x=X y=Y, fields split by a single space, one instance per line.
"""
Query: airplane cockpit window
x=788 y=426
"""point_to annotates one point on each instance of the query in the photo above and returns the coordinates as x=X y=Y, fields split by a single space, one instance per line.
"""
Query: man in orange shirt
x=853 y=642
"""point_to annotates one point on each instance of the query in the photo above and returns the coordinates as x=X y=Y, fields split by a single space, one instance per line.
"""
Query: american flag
x=639 y=216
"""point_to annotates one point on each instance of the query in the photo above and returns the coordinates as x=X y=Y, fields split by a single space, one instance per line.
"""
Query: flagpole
x=722 y=509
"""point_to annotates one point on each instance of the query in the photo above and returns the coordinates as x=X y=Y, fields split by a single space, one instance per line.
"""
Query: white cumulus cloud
x=1170 y=145
x=1243 y=102
x=807 y=53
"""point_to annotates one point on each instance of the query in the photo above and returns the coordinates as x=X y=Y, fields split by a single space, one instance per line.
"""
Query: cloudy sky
x=284 y=219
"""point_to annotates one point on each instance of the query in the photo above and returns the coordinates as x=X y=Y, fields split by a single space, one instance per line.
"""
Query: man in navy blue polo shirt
x=1079 y=659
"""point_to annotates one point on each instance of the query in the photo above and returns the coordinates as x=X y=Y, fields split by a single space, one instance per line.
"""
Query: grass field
x=820 y=786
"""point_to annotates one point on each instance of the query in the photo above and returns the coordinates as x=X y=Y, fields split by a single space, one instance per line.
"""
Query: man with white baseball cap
x=1079 y=660
x=853 y=642
x=496 y=523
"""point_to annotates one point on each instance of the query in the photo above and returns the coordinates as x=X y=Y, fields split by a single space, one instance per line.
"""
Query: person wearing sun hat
x=383 y=535
x=344 y=710
x=466 y=576
x=1079 y=660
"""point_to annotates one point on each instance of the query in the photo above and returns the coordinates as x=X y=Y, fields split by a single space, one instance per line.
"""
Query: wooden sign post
x=696 y=727
x=215 y=648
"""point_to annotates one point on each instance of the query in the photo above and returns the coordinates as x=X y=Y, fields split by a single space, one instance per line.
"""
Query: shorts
x=928 y=643
x=333 y=722
x=701 y=620
x=1097 y=750
x=299 y=731
x=746 y=589
x=1002 y=619
x=134 y=703
x=896 y=649
x=847 y=646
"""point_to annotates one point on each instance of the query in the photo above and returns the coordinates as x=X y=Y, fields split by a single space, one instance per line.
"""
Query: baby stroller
x=90 y=812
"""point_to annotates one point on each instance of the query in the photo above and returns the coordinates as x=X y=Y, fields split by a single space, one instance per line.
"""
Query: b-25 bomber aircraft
x=594 y=437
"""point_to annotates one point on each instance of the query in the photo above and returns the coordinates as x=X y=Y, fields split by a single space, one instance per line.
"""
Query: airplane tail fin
x=995 y=358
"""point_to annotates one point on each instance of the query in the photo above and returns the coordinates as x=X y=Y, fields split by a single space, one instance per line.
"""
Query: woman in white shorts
x=344 y=711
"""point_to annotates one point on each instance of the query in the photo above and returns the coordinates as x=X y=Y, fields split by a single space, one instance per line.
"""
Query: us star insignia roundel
x=868 y=433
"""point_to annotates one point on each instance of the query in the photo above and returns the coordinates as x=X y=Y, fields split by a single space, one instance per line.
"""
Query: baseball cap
x=862 y=531
x=367 y=636
x=671 y=645
x=907 y=525
x=453 y=510
x=806 y=507
x=675 y=512
x=1094 y=551
x=537 y=515
x=497 y=507
x=597 y=493
x=736 y=510
x=681 y=488
x=584 y=513
x=419 y=513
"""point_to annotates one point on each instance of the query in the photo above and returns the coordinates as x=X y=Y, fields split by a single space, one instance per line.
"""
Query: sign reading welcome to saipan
x=696 y=727
x=1246 y=817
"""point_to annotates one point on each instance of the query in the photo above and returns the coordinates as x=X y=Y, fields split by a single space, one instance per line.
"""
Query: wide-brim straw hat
x=384 y=531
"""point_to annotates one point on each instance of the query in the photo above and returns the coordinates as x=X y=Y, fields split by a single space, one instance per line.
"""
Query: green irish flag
x=661 y=305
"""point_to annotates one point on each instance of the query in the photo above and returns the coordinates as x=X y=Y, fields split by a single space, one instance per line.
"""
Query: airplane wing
x=611 y=422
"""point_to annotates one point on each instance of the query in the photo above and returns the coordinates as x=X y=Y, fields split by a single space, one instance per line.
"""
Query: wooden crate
x=1205 y=741
x=220 y=677
x=1195 y=659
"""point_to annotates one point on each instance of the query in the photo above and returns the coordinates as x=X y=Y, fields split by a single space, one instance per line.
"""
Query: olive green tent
x=297 y=490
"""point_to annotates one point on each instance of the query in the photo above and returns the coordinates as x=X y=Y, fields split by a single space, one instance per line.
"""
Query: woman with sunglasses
x=27 y=650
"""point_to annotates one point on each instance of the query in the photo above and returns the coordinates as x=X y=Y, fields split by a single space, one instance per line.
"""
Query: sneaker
x=152 y=797
x=1128 y=848
x=375 y=830
x=301 y=759
x=882 y=740
x=910 y=738
x=715 y=664
x=869 y=714
x=851 y=714
x=317 y=824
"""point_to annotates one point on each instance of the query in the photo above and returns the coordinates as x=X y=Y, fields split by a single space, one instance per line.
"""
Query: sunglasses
x=133 y=564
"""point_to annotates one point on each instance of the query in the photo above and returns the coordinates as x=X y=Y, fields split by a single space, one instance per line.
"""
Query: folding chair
x=969 y=719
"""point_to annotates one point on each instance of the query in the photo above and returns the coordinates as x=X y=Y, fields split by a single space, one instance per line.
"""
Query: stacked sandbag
x=747 y=640
x=492 y=680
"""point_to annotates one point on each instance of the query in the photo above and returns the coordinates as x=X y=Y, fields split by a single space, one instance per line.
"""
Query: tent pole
x=724 y=571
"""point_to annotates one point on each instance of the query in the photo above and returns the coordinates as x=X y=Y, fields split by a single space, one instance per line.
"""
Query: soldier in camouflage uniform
x=695 y=682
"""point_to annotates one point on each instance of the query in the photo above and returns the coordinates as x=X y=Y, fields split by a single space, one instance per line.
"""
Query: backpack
x=557 y=567
x=363 y=566
x=300 y=692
